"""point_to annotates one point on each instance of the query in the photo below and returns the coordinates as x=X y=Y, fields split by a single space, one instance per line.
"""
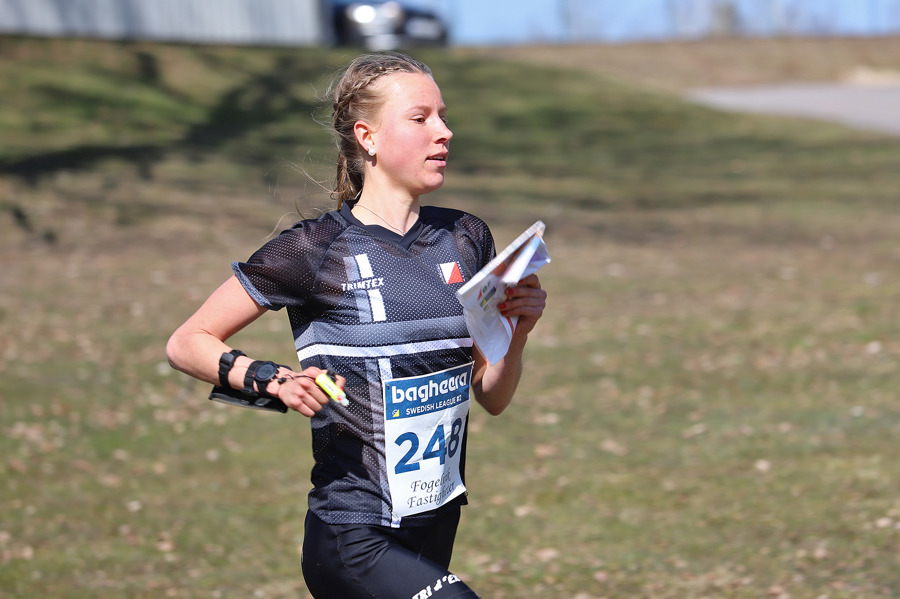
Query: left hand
x=526 y=300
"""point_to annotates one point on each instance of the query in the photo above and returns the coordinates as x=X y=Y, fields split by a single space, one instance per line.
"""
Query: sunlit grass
x=708 y=407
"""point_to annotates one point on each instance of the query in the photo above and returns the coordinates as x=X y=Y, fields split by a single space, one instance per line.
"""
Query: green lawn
x=709 y=405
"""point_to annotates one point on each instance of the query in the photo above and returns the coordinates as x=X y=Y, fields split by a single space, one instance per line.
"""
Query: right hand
x=300 y=391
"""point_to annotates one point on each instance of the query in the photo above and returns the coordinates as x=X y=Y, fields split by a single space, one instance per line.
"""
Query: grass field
x=709 y=406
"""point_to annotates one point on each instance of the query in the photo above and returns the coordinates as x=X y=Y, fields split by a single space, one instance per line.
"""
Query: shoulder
x=471 y=235
x=327 y=223
x=318 y=231
x=285 y=269
x=450 y=218
x=305 y=241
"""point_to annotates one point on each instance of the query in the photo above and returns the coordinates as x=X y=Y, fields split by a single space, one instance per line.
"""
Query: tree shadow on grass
x=260 y=100
x=263 y=99
x=33 y=168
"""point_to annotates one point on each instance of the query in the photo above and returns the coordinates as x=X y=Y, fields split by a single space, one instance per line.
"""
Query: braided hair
x=354 y=99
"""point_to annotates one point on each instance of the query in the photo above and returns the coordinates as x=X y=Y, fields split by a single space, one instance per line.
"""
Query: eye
x=419 y=119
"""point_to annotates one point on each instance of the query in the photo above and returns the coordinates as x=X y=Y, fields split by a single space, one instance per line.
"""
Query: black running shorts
x=353 y=561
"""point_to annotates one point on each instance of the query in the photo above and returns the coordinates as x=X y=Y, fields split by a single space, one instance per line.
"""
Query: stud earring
x=371 y=151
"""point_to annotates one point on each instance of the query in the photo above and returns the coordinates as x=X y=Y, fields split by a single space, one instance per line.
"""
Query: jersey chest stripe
x=365 y=267
x=376 y=302
x=386 y=333
x=381 y=351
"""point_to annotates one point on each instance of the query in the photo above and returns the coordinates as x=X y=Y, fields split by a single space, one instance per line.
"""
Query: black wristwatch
x=261 y=373
x=226 y=363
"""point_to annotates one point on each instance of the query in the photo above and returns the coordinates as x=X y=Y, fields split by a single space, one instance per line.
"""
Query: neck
x=395 y=215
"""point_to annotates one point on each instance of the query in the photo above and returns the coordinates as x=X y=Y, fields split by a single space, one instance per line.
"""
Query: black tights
x=354 y=561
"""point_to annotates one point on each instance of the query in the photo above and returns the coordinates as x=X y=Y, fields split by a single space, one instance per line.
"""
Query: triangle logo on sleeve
x=451 y=273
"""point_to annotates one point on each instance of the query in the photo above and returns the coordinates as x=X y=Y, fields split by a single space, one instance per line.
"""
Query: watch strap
x=250 y=389
x=226 y=363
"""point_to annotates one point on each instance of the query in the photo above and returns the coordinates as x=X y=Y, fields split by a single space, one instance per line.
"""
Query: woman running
x=369 y=289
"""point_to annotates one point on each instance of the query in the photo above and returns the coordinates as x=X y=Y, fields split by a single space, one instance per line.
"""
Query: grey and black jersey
x=381 y=311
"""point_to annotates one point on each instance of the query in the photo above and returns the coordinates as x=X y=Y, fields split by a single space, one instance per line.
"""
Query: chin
x=431 y=186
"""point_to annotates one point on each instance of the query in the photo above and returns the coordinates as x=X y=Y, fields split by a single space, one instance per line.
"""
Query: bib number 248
x=440 y=446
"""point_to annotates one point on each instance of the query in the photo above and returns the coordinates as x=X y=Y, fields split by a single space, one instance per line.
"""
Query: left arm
x=495 y=384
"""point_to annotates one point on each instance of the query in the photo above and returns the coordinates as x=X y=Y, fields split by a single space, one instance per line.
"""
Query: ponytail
x=348 y=184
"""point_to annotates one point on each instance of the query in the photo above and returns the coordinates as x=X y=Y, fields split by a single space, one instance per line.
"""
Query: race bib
x=425 y=420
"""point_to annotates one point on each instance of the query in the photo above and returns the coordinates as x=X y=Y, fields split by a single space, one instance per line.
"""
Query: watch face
x=266 y=372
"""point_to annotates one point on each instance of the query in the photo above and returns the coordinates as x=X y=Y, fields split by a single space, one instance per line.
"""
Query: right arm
x=195 y=347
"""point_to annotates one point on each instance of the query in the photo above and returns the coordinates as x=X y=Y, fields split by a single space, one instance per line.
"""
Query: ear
x=364 y=133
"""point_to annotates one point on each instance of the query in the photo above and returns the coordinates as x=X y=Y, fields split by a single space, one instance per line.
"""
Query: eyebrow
x=427 y=107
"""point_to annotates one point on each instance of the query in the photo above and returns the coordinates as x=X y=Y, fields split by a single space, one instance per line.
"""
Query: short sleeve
x=282 y=273
x=478 y=241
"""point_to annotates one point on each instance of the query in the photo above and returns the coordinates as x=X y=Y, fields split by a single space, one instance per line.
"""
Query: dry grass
x=709 y=404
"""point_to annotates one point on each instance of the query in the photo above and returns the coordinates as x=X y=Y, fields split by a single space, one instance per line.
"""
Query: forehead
x=409 y=90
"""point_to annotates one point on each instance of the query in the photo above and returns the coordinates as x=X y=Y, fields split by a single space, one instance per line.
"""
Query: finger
x=525 y=291
x=305 y=410
x=532 y=309
x=309 y=410
x=311 y=387
x=523 y=296
x=531 y=280
x=301 y=394
x=308 y=405
x=315 y=395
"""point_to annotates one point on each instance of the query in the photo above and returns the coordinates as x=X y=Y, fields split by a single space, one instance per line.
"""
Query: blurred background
x=459 y=22
x=709 y=405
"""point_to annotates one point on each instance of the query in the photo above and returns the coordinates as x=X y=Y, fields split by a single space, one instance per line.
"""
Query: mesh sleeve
x=478 y=241
x=283 y=271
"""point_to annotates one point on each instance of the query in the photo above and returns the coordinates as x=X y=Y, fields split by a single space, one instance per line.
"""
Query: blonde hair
x=354 y=99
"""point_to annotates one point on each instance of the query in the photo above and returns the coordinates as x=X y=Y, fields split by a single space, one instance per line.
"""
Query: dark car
x=386 y=25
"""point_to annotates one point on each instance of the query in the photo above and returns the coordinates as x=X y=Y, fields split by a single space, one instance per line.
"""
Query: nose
x=444 y=134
